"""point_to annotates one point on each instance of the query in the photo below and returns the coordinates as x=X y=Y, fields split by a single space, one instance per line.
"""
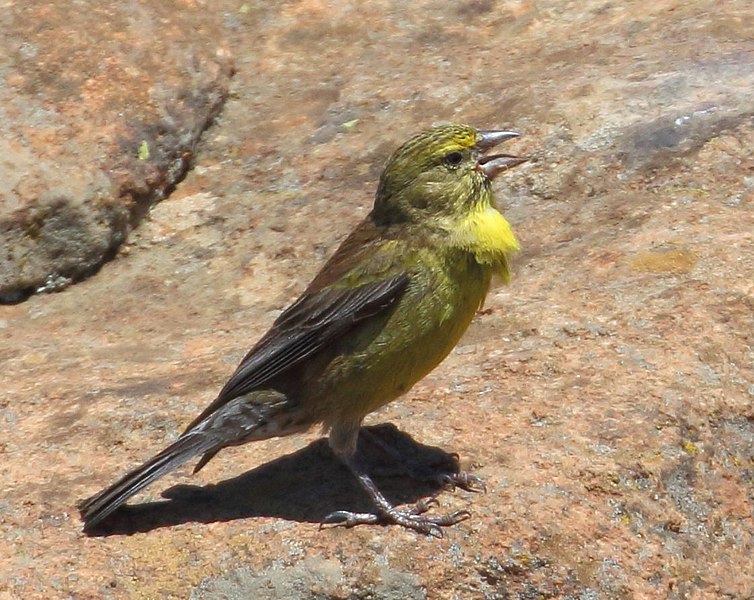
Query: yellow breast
x=489 y=237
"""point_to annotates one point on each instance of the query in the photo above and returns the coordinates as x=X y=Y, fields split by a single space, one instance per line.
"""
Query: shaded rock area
x=606 y=396
x=101 y=107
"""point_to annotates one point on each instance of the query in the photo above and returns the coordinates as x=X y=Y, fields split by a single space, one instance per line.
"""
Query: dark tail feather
x=99 y=506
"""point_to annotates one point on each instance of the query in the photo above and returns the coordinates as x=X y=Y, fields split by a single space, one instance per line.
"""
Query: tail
x=189 y=445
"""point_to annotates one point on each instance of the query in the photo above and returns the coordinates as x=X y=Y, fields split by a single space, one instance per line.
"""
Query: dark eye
x=453 y=159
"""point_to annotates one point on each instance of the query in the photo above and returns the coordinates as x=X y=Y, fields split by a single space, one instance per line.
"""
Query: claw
x=465 y=481
x=423 y=505
x=435 y=531
x=460 y=515
x=345 y=518
x=412 y=518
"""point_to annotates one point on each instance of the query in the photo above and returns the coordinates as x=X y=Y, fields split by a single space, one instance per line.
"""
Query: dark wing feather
x=313 y=322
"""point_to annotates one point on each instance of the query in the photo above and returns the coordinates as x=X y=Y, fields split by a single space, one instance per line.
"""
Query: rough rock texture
x=605 y=396
x=101 y=105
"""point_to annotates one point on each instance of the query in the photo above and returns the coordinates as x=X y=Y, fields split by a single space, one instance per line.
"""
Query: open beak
x=493 y=164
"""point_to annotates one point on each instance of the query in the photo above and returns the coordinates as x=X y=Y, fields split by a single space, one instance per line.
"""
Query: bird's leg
x=450 y=478
x=412 y=518
x=343 y=440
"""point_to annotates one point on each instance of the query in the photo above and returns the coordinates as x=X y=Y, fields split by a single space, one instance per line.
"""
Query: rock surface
x=102 y=106
x=605 y=396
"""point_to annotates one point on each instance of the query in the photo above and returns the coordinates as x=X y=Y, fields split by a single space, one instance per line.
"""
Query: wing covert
x=311 y=323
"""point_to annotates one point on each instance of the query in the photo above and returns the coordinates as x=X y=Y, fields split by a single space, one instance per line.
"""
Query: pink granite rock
x=102 y=108
x=605 y=396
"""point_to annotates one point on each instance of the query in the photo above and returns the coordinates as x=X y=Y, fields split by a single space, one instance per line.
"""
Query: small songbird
x=385 y=310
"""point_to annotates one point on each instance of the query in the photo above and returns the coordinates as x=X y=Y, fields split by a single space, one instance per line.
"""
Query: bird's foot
x=411 y=518
x=462 y=479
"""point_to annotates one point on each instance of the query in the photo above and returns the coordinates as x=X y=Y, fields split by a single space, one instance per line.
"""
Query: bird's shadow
x=304 y=486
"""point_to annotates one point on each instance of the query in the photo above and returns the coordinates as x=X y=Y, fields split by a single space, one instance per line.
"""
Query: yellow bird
x=385 y=310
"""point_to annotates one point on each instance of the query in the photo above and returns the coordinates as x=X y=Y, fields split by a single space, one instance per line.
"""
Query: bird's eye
x=453 y=159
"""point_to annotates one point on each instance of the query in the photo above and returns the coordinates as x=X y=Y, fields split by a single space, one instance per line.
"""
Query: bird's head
x=442 y=172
